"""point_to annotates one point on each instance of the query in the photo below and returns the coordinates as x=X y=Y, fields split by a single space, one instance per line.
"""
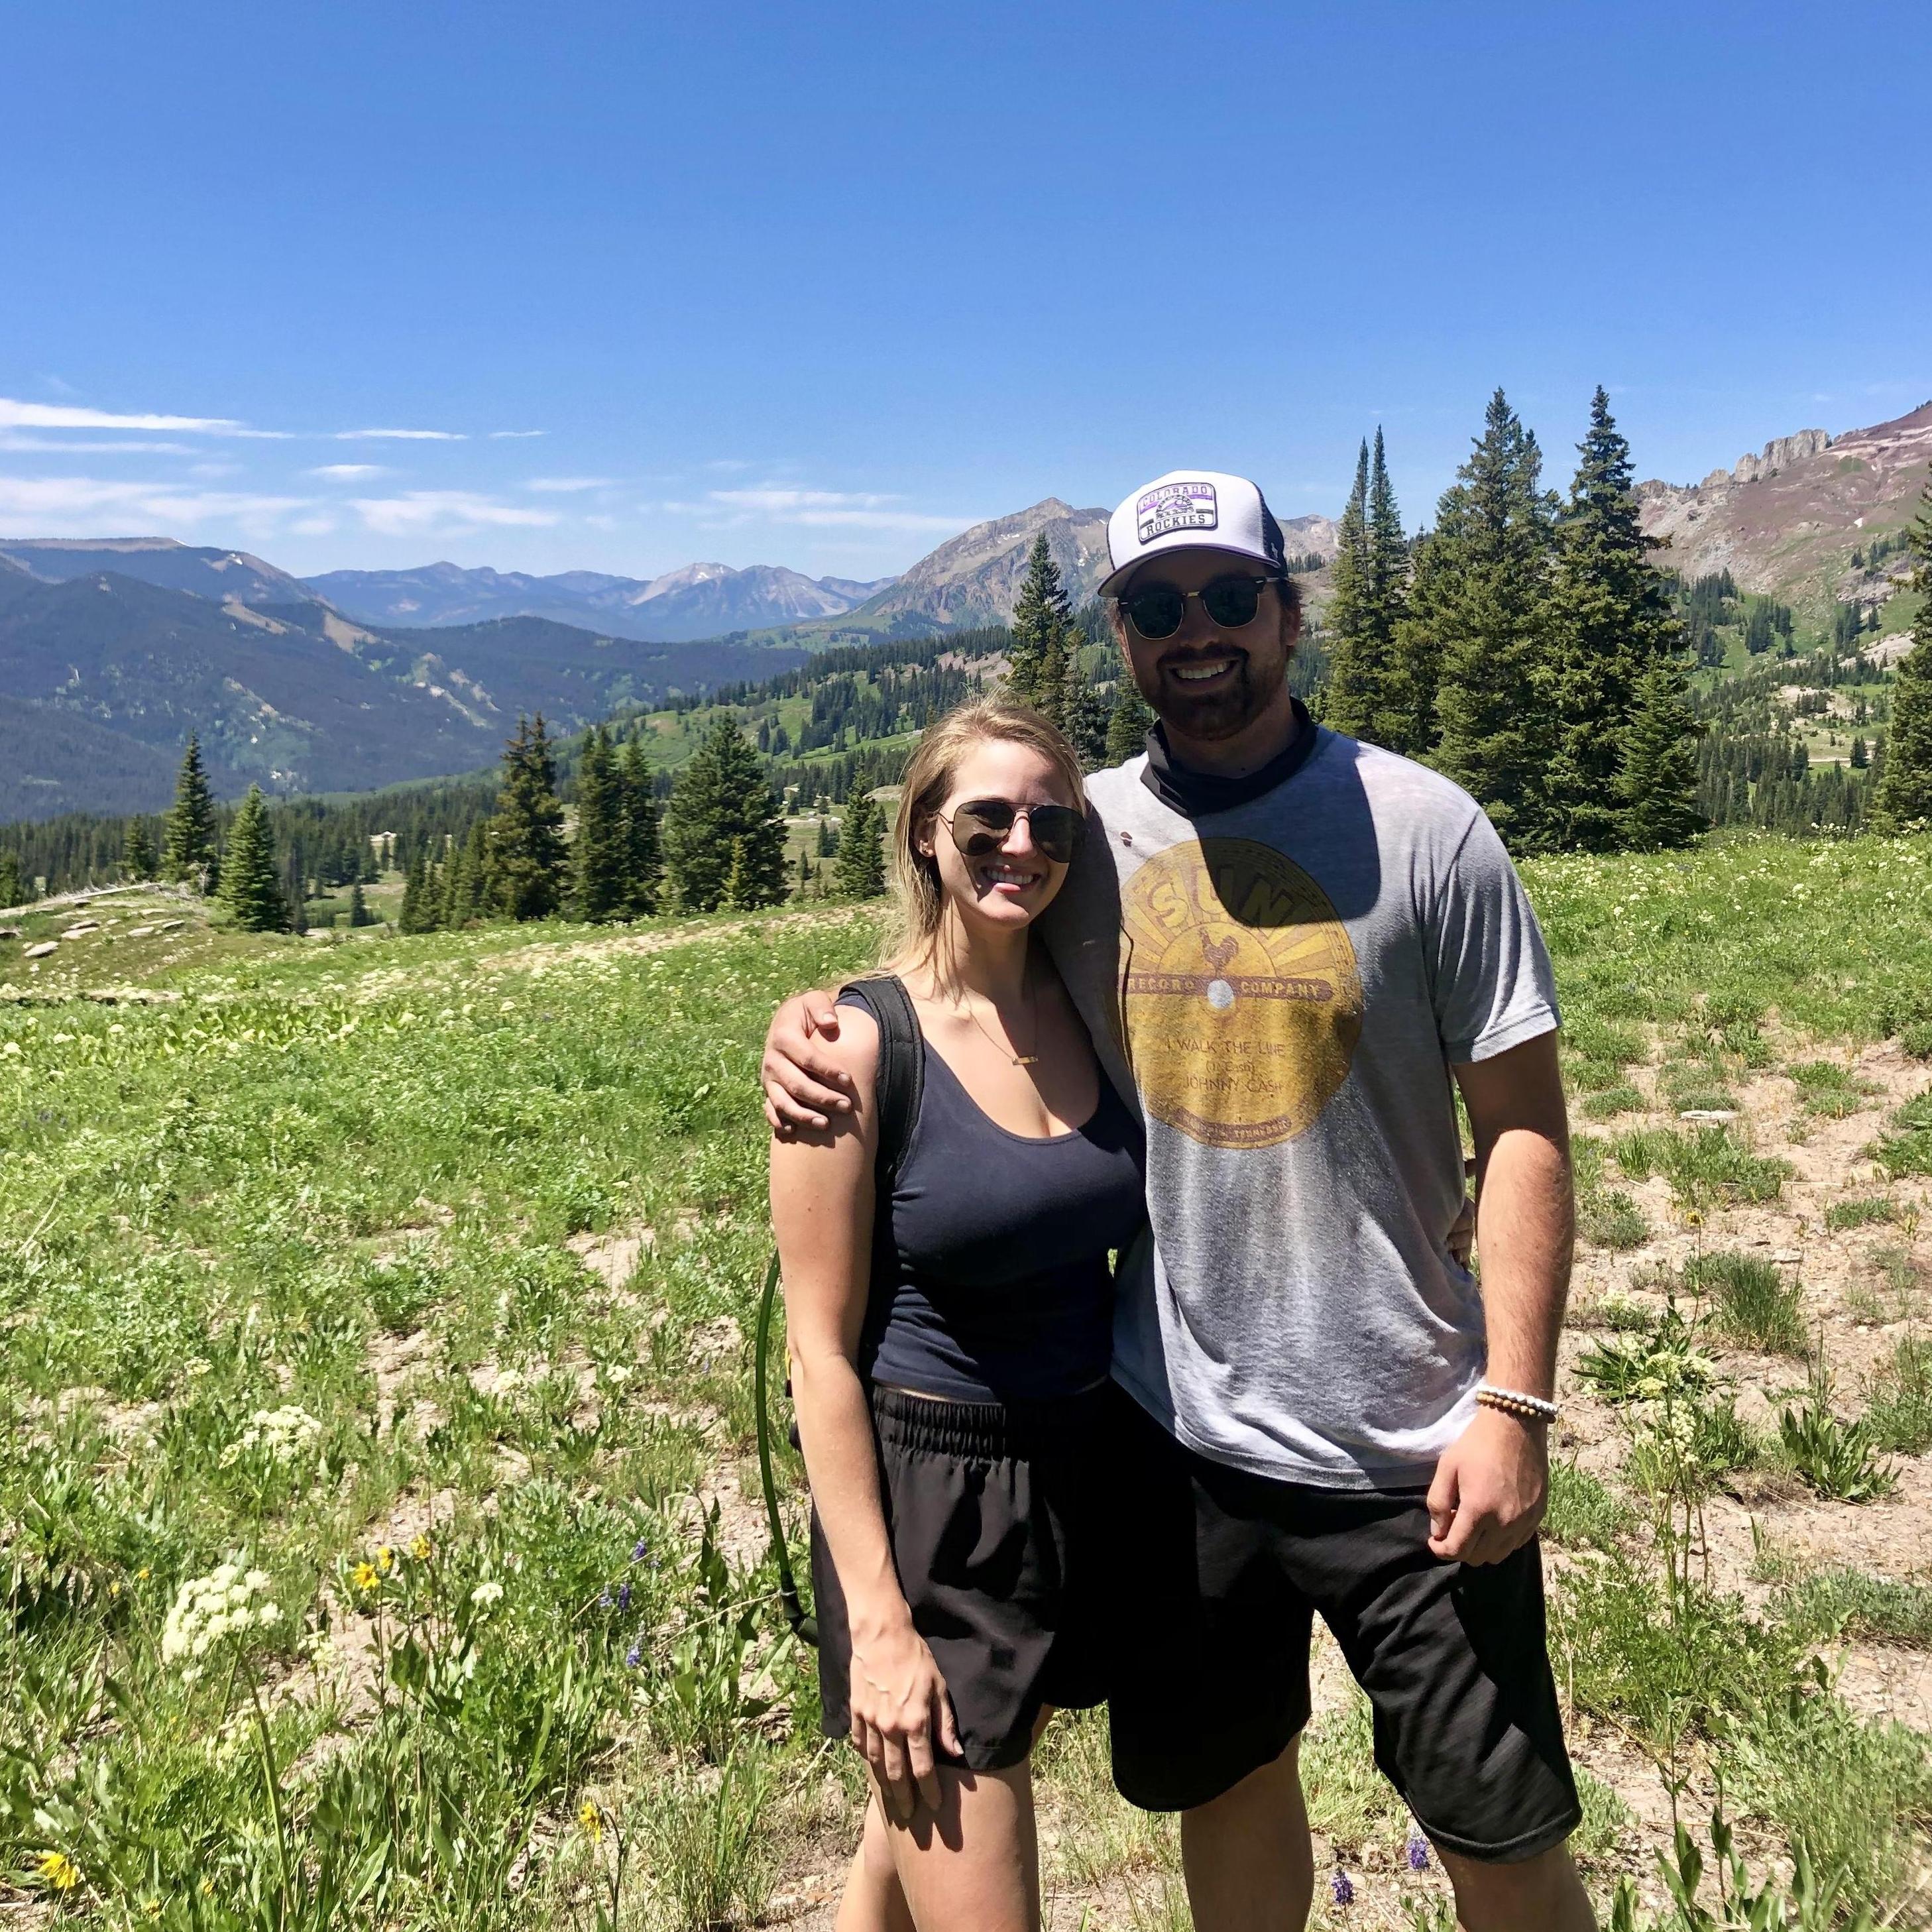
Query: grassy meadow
x=377 y=1495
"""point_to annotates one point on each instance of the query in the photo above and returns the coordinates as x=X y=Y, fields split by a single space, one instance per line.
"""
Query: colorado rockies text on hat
x=1191 y=509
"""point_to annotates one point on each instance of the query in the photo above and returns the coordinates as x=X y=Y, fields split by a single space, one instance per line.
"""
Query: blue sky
x=821 y=286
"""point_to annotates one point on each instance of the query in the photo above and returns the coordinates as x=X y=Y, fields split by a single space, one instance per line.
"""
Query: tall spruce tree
x=1366 y=695
x=1083 y=714
x=1351 y=679
x=358 y=906
x=137 y=852
x=1128 y=722
x=1487 y=591
x=251 y=887
x=1612 y=632
x=1654 y=788
x=862 y=859
x=598 y=859
x=528 y=858
x=12 y=886
x=188 y=839
x=422 y=909
x=1044 y=636
x=722 y=835
x=1902 y=794
x=643 y=863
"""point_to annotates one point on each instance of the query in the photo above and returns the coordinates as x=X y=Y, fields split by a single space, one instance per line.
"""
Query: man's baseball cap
x=1192 y=509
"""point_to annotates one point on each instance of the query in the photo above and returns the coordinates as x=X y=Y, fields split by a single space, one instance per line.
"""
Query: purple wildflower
x=1418 y=1852
x=623 y=1597
x=640 y=1550
x=634 y=1657
x=605 y=1600
x=1341 y=1890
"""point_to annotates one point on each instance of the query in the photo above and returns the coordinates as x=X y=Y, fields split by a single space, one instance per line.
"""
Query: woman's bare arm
x=822 y=1208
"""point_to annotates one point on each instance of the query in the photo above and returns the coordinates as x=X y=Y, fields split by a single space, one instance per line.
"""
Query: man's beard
x=1233 y=704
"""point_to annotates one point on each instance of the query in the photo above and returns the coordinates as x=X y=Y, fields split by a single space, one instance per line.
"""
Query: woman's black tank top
x=990 y=1274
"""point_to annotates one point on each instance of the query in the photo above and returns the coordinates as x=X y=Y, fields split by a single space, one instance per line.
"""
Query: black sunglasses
x=984 y=825
x=1159 y=609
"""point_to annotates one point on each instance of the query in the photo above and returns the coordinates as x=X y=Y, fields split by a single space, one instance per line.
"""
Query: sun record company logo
x=1175 y=506
x=1242 y=1002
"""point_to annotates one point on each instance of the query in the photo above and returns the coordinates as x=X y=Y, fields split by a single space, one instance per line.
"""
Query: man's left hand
x=1490 y=1488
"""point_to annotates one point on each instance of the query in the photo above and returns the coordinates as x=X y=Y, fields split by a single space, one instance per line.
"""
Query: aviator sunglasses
x=983 y=825
x=1158 y=610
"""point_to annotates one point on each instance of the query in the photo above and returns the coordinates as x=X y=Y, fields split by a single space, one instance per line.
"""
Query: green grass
x=1908 y=1150
x=1862 y=1212
x=1831 y=1603
x=1830 y=1090
x=1751 y=1301
x=340 y=1179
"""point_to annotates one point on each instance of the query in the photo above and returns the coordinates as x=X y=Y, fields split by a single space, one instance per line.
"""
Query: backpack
x=900 y=1082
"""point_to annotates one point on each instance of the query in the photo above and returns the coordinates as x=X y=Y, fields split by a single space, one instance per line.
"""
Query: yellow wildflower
x=386 y=1559
x=58 y=1873
x=364 y=1576
x=592 y=1819
x=421 y=1548
x=142 y=1575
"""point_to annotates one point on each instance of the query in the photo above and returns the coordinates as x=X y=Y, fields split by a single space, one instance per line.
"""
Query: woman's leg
x=973 y=1866
x=875 y=1901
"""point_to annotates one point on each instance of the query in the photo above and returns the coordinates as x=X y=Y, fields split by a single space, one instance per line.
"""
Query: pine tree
x=1083 y=716
x=1043 y=636
x=188 y=842
x=470 y=898
x=1351 y=678
x=358 y=906
x=1902 y=793
x=12 y=887
x=599 y=867
x=1655 y=786
x=249 y=887
x=527 y=855
x=1611 y=626
x=862 y=859
x=825 y=845
x=1860 y=755
x=643 y=863
x=137 y=853
x=1489 y=608
x=722 y=835
x=1128 y=722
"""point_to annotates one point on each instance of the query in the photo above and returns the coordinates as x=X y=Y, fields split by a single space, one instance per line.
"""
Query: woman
x=950 y=1343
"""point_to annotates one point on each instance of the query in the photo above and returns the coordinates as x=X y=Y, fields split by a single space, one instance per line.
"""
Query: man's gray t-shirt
x=1284 y=985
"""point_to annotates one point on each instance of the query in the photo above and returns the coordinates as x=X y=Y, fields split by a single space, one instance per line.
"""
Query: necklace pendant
x=1026 y=1060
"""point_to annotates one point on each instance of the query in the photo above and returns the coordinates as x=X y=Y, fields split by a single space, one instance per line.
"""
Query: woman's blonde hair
x=918 y=900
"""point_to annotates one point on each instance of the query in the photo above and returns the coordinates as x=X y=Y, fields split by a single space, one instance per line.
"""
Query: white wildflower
x=283 y=1436
x=210 y=1610
x=485 y=1594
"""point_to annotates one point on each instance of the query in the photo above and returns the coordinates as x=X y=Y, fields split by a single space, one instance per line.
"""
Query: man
x=1295 y=944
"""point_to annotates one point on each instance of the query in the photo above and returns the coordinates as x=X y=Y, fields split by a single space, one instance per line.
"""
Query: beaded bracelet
x=1513 y=1402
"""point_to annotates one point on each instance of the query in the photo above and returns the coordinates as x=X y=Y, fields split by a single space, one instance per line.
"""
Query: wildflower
x=591 y=1821
x=386 y=1559
x=485 y=1594
x=364 y=1576
x=640 y=1550
x=209 y=1610
x=634 y=1657
x=283 y=1436
x=421 y=1547
x=58 y=1873
x=623 y=1597
x=605 y=1600
x=1418 y=1852
x=1341 y=1890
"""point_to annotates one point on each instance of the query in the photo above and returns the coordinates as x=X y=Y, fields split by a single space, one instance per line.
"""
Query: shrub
x=1859 y=1213
x=1832 y=1603
x=1909 y=1150
x=1613 y=1221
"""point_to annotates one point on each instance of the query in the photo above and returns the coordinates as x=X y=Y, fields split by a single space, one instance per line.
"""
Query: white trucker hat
x=1192 y=509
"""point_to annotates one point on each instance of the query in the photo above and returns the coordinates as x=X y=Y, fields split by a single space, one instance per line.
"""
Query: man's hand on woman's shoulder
x=806 y=1080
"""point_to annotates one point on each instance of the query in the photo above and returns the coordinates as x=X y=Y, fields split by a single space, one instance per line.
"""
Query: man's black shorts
x=999 y=1518
x=1229 y=1570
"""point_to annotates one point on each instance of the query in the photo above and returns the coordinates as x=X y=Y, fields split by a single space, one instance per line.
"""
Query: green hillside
x=414 y=1280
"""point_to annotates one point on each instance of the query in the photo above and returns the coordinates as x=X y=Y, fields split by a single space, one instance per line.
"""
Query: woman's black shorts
x=996 y=1515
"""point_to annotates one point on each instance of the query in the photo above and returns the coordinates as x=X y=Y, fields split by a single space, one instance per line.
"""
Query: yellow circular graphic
x=1242 y=1003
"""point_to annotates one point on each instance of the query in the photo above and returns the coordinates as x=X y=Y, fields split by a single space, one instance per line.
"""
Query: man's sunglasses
x=1160 y=609
x=983 y=826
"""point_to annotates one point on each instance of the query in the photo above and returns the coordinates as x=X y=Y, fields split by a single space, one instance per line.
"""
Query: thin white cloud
x=54 y=446
x=341 y=473
x=312 y=526
x=776 y=497
x=78 y=505
x=514 y=435
x=60 y=415
x=564 y=485
x=401 y=436
x=827 y=509
x=417 y=512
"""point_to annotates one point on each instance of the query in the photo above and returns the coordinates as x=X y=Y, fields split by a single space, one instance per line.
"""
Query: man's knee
x=1274 y=1787
x=1544 y=1891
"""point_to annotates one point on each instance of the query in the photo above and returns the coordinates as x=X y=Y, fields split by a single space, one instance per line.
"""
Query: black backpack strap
x=901 y=1075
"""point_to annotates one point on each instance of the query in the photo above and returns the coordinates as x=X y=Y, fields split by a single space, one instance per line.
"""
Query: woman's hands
x=899 y=1706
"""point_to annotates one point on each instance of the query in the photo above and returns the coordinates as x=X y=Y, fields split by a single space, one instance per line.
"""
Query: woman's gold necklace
x=1006 y=1046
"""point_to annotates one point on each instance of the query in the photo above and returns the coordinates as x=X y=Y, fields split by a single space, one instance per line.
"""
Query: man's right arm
x=804 y=1085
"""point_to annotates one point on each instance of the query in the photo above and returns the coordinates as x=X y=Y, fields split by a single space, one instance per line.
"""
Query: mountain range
x=112 y=649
